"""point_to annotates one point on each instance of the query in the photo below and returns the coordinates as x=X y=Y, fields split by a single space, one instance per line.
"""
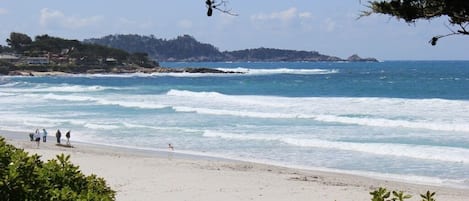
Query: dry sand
x=138 y=175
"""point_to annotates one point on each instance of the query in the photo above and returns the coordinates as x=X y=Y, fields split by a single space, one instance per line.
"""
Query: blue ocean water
x=407 y=120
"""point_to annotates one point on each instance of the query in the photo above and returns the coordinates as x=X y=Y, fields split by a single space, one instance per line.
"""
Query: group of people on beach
x=42 y=133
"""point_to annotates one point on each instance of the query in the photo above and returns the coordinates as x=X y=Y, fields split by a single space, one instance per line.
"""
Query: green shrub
x=25 y=177
x=382 y=194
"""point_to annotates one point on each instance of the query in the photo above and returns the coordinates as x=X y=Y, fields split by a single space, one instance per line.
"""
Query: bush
x=25 y=177
x=382 y=194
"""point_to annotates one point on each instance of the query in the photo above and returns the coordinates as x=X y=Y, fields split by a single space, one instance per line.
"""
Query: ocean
x=403 y=120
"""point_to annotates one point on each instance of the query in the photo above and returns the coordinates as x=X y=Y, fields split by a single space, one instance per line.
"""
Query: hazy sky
x=328 y=26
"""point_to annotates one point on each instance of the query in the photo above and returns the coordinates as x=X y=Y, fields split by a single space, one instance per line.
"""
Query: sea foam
x=253 y=71
x=425 y=152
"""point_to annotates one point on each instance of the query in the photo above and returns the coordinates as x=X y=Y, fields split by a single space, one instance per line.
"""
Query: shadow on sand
x=64 y=145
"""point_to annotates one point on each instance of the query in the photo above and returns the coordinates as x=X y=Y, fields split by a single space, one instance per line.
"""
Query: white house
x=9 y=58
x=37 y=60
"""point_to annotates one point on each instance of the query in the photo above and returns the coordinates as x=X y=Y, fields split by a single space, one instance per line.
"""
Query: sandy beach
x=140 y=175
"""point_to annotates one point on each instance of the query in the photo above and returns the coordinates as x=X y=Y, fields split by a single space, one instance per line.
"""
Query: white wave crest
x=380 y=122
x=233 y=136
x=6 y=94
x=60 y=88
x=425 y=152
x=253 y=71
x=332 y=119
x=185 y=93
x=215 y=97
x=232 y=72
x=101 y=126
x=142 y=104
x=440 y=153
x=430 y=114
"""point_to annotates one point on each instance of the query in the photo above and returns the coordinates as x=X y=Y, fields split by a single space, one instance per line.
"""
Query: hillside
x=182 y=48
x=270 y=54
x=46 y=53
x=187 y=48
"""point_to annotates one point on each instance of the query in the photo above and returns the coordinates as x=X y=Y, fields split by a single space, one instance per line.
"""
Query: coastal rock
x=356 y=58
x=205 y=70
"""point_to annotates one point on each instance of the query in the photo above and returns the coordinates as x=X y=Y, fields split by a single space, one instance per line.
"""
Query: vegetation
x=270 y=54
x=187 y=48
x=383 y=194
x=181 y=48
x=412 y=10
x=25 y=177
x=70 y=56
x=18 y=41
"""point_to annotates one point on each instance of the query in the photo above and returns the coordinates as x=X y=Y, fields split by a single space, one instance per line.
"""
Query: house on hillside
x=37 y=60
x=110 y=61
x=9 y=58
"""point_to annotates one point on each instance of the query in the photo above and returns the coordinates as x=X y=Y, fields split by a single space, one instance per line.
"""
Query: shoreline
x=121 y=70
x=142 y=174
x=408 y=179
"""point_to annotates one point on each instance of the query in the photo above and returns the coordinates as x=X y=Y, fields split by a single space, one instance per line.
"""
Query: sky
x=330 y=27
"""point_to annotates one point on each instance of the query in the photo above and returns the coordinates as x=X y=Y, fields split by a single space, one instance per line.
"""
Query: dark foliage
x=411 y=10
x=271 y=54
x=18 y=41
x=186 y=48
x=82 y=53
x=25 y=177
x=182 y=48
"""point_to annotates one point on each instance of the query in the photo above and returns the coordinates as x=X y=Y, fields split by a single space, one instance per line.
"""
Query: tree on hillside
x=412 y=10
x=53 y=44
x=18 y=41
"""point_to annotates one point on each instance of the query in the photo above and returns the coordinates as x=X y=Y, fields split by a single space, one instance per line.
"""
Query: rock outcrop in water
x=356 y=58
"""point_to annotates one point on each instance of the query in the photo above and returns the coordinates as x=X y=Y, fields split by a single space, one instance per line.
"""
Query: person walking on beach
x=31 y=137
x=170 y=152
x=58 y=135
x=44 y=135
x=67 y=135
x=37 y=137
x=170 y=147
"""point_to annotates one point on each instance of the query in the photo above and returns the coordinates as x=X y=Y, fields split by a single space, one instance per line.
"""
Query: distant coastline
x=116 y=54
x=187 y=49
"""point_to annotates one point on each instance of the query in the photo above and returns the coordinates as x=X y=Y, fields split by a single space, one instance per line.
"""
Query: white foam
x=159 y=128
x=74 y=98
x=380 y=122
x=11 y=84
x=123 y=102
x=60 y=88
x=232 y=112
x=101 y=126
x=185 y=74
x=237 y=72
x=216 y=97
x=233 y=136
x=121 y=75
x=182 y=74
x=425 y=152
x=430 y=114
x=440 y=153
x=6 y=94
x=132 y=104
x=192 y=94
x=253 y=71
